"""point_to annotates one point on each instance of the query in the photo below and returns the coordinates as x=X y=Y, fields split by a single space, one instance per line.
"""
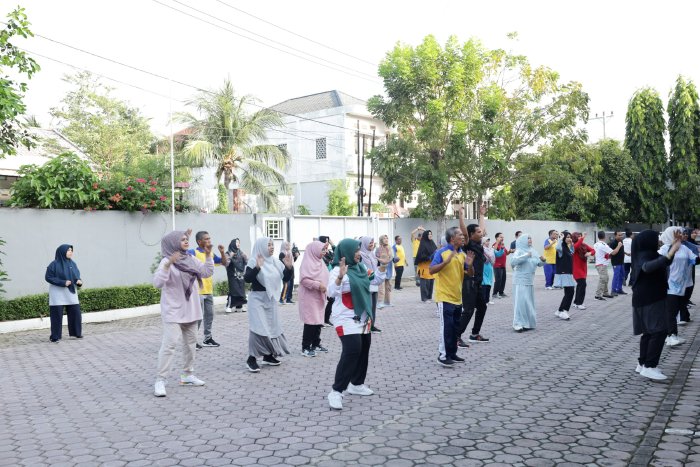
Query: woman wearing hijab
x=564 y=275
x=679 y=278
x=525 y=262
x=179 y=277
x=349 y=283
x=328 y=260
x=582 y=252
x=649 y=298
x=369 y=259
x=487 y=281
x=63 y=277
x=266 y=274
x=385 y=256
x=313 y=280
x=234 y=270
x=424 y=256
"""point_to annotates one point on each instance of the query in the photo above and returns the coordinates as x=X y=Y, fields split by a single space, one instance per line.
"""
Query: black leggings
x=329 y=310
x=580 y=291
x=311 y=337
x=673 y=306
x=568 y=297
x=650 y=347
x=352 y=367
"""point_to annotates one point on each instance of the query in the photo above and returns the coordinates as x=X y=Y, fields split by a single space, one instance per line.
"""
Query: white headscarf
x=369 y=259
x=270 y=275
x=522 y=248
x=667 y=237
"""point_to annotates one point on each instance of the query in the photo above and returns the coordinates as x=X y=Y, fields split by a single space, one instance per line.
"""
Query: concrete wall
x=111 y=248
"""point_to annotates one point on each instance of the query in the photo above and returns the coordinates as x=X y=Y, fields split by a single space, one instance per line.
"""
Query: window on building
x=274 y=228
x=321 y=148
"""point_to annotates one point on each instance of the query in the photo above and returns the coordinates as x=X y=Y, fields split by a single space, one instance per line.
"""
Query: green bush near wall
x=110 y=298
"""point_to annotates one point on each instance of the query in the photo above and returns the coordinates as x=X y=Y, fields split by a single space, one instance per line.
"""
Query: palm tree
x=228 y=137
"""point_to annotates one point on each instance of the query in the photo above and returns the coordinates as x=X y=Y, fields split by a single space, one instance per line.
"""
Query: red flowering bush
x=135 y=195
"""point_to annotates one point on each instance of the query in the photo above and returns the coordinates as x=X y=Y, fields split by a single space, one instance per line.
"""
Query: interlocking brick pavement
x=564 y=394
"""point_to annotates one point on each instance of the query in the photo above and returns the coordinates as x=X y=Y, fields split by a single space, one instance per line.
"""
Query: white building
x=320 y=133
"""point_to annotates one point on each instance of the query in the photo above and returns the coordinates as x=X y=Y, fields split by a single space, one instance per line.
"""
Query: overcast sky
x=612 y=48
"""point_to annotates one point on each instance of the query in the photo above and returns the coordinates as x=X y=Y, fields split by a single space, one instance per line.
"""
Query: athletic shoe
x=380 y=306
x=55 y=341
x=289 y=302
x=387 y=305
x=320 y=348
x=478 y=338
x=159 y=389
x=335 y=400
x=458 y=359
x=622 y=292
x=252 y=365
x=327 y=325
x=281 y=302
x=518 y=328
x=562 y=315
x=228 y=310
x=580 y=307
x=682 y=323
x=360 y=390
x=198 y=346
x=653 y=373
x=599 y=298
x=691 y=304
x=190 y=380
x=492 y=303
x=398 y=288
x=210 y=343
x=461 y=344
x=308 y=353
x=639 y=368
x=673 y=341
x=679 y=339
x=375 y=330
x=270 y=360
x=607 y=295
x=447 y=363
x=549 y=288
x=502 y=295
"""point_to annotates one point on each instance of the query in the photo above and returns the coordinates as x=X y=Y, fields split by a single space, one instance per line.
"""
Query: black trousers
x=472 y=301
x=374 y=308
x=397 y=279
x=628 y=268
x=311 y=336
x=426 y=289
x=352 y=367
x=580 y=291
x=329 y=310
x=650 y=348
x=685 y=314
x=568 y=297
x=673 y=306
x=415 y=270
x=486 y=292
x=499 y=282
x=75 y=323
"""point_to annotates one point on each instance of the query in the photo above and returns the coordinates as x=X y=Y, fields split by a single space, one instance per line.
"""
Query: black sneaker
x=252 y=365
x=605 y=295
x=198 y=346
x=270 y=360
x=461 y=344
x=289 y=302
x=622 y=292
x=210 y=342
x=478 y=338
x=320 y=348
x=599 y=298
x=502 y=295
x=375 y=330
x=447 y=363
x=458 y=359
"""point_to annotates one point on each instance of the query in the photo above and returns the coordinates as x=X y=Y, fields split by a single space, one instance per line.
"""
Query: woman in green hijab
x=352 y=318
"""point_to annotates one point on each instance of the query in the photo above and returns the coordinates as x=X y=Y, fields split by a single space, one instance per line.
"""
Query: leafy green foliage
x=463 y=115
x=109 y=131
x=220 y=288
x=14 y=62
x=338 y=200
x=222 y=199
x=111 y=298
x=644 y=139
x=684 y=135
x=302 y=210
x=3 y=274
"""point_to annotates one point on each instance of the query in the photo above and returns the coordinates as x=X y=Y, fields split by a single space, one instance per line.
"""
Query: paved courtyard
x=564 y=394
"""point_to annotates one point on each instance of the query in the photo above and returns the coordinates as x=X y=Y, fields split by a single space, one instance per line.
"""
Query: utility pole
x=359 y=199
x=604 y=118
x=362 y=178
x=371 y=176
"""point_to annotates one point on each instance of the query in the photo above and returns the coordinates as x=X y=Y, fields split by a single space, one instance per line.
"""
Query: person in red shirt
x=582 y=252
x=499 y=267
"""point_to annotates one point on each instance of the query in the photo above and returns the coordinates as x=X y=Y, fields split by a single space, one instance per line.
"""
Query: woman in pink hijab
x=313 y=278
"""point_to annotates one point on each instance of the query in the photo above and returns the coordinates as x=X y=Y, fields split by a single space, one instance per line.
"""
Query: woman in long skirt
x=265 y=273
x=349 y=283
x=64 y=279
x=525 y=262
x=313 y=280
x=564 y=276
x=234 y=270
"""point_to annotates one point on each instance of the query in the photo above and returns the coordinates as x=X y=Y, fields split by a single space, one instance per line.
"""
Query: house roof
x=316 y=102
x=49 y=144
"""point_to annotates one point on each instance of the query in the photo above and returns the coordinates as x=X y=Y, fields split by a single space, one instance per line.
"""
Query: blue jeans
x=549 y=270
x=449 y=328
x=618 y=278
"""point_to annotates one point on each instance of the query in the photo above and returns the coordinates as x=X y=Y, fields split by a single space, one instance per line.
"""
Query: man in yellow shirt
x=206 y=292
x=400 y=261
x=550 y=255
x=449 y=266
x=415 y=243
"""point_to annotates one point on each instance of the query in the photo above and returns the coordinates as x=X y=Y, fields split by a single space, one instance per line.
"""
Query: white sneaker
x=653 y=373
x=191 y=380
x=518 y=328
x=228 y=310
x=679 y=339
x=581 y=307
x=159 y=389
x=492 y=303
x=564 y=315
x=549 y=288
x=682 y=323
x=380 y=306
x=639 y=368
x=360 y=390
x=673 y=341
x=335 y=400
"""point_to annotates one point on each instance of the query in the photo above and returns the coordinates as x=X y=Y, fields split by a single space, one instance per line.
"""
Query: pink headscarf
x=312 y=266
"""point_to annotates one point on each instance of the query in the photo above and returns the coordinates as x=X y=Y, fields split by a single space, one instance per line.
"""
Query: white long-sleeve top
x=342 y=317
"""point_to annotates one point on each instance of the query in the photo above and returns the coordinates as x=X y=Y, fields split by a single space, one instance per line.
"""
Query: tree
x=463 y=115
x=15 y=61
x=684 y=136
x=644 y=139
x=338 y=200
x=229 y=138
x=617 y=175
x=107 y=129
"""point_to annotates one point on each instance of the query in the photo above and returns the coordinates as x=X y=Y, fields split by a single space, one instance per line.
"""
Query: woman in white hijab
x=525 y=262
x=265 y=273
x=680 y=276
x=369 y=259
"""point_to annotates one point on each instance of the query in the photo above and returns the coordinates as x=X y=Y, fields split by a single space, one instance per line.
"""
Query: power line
x=366 y=76
x=296 y=34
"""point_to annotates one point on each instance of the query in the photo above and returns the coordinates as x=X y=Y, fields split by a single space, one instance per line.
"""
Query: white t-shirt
x=602 y=249
x=680 y=273
x=627 y=245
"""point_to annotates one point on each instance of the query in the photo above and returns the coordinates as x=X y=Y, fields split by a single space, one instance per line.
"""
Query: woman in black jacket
x=234 y=271
x=564 y=277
